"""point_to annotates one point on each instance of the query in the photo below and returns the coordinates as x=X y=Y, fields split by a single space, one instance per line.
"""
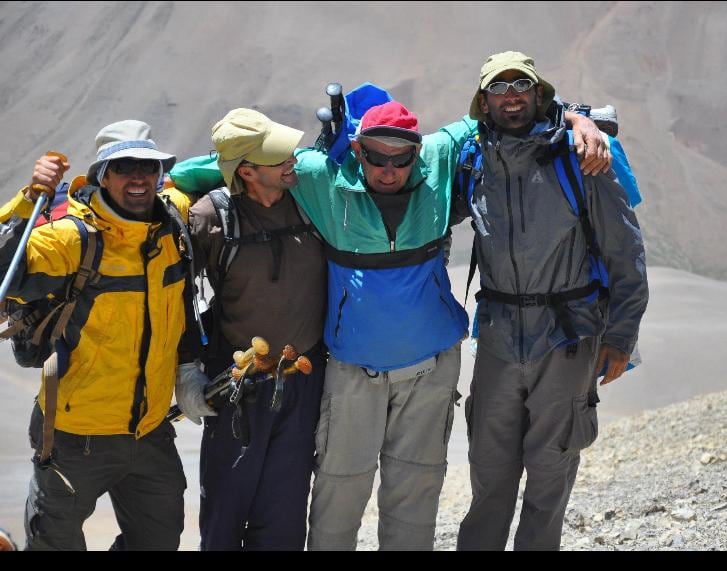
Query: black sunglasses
x=128 y=166
x=377 y=159
x=501 y=87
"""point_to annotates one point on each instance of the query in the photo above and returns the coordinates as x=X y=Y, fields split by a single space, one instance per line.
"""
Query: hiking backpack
x=34 y=328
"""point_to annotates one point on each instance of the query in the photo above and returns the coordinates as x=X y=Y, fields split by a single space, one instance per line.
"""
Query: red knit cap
x=391 y=119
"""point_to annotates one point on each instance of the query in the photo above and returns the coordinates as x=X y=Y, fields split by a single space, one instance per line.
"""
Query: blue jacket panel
x=379 y=319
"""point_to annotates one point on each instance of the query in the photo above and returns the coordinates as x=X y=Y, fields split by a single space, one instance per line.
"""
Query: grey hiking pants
x=407 y=425
x=144 y=478
x=538 y=416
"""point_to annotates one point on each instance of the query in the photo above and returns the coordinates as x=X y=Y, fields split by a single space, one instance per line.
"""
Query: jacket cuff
x=627 y=346
x=19 y=206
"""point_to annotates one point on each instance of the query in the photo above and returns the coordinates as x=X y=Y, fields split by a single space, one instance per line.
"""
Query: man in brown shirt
x=275 y=288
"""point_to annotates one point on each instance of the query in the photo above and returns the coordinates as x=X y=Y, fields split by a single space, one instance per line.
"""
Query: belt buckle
x=528 y=301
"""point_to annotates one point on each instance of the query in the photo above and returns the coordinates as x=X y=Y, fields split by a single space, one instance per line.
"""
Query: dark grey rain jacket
x=529 y=241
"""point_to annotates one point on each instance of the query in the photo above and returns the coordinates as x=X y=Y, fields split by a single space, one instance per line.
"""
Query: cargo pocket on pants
x=323 y=424
x=49 y=508
x=584 y=430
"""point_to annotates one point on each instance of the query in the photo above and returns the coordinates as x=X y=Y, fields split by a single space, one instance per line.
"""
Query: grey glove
x=191 y=383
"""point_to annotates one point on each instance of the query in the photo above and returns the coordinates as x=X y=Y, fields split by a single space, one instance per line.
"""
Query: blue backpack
x=357 y=102
x=470 y=169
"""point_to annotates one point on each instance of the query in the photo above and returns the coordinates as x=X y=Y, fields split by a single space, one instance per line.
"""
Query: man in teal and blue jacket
x=393 y=328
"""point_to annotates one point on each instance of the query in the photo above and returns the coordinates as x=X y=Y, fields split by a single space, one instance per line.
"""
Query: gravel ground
x=654 y=481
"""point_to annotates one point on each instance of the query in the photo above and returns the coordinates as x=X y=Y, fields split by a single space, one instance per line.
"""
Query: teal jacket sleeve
x=316 y=183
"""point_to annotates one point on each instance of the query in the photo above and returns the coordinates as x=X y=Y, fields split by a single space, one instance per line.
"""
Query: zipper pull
x=392 y=246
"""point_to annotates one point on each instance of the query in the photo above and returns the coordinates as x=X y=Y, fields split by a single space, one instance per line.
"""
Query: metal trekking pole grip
x=335 y=92
x=325 y=139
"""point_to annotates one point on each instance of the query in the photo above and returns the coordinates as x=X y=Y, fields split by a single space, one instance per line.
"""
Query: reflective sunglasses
x=501 y=87
x=377 y=159
x=129 y=166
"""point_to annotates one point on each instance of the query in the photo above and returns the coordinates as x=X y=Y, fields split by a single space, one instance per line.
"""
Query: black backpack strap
x=228 y=217
x=558 y=301
x=186 y=251
x=307 y=222
x=473 y=265
x=537 y=299
x=271 y=236
x=469 y=172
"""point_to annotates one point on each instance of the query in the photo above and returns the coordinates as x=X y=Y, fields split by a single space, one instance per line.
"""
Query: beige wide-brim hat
x=129 y=138
x=505 y=61
x=246 y=134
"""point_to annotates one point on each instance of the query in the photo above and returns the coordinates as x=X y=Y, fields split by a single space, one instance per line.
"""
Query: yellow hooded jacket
x=123 y=335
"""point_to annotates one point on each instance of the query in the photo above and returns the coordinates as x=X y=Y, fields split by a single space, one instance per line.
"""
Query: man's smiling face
x=512 y=111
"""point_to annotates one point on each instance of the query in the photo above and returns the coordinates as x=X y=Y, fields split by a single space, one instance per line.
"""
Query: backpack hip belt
x=555 y=300
x=538 y=299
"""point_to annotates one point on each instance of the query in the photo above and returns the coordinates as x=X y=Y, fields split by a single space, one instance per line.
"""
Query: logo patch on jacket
x=537 y=178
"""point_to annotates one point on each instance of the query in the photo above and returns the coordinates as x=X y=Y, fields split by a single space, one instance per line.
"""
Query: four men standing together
x=379 y=221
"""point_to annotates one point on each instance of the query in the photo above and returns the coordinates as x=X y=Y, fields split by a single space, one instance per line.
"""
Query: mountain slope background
x=69 y=68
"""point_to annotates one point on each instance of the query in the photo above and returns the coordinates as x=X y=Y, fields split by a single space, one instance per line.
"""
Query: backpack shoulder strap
x=469 y=170
x=186 y=251
x=571 y=183
x=179 y=228
x=307 y=224
x=229 y=218
x=91 y=252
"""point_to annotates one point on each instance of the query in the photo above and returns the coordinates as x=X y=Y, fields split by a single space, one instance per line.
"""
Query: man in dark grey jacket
x=533 y=397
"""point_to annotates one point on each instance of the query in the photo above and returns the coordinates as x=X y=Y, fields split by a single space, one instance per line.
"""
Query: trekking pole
x=338 y=105
x=325 y=139
x=40 y=204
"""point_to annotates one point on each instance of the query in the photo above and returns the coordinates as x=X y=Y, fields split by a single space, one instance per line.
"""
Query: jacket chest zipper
x=522 y=207
x=570 y=258
x=508 y=194
x=139 y=407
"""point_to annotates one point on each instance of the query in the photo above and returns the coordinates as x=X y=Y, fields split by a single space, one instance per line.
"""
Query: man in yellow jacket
x=117 y=358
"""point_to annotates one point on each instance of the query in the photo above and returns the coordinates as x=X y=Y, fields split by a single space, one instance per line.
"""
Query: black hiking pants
x=261 y=502
x=143 y=477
